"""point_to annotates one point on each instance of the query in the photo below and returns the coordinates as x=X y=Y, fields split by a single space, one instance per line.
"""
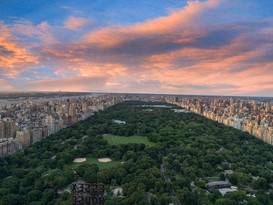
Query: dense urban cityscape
x=28 y=121
x=23 y=122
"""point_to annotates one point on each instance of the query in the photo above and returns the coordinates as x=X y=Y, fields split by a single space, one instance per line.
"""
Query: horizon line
x=140 y=93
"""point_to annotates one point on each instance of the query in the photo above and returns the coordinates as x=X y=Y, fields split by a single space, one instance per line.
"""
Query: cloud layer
x=74 y=23
x=186 y=52
x=14 y=57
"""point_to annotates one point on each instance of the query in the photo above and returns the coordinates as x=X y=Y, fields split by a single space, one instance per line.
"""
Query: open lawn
x=91 y=160
x=212 y=179
x=116 y=140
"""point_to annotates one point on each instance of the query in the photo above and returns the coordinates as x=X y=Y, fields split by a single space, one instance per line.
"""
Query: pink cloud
x=215 y=77
x=188 y=68
x=14 y=58
x=66 y=84
x=6 y=86
x=169 y=54
x=43 y=32
x=95 y=47
x=174 y=22
x=74 y=23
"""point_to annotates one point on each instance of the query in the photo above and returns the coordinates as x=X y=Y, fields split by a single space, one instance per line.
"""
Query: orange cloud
x=41 y=33
x=74 y=23
x=230 y=75
x=6 y=86
x=170 y=54
x=14 y=58
x=184 y=18
x=110 y=70
x=67 y=84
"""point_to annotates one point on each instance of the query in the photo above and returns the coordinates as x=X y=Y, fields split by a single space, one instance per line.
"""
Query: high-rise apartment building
x=8 y=128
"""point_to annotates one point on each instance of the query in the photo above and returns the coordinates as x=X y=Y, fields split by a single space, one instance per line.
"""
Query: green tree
x=48 y=195
x=259 y=183
x=224 y=201
x=11 y=199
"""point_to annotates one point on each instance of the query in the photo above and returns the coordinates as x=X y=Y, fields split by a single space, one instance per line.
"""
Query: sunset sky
x=208 y=47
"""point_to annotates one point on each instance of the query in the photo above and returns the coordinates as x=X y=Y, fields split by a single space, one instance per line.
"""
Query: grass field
x=116 y=140
x=113 y=140
x=91 y=160
x=211 y=179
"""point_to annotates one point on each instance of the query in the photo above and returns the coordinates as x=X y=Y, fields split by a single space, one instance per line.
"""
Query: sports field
x=116 y=140
x=91 y=160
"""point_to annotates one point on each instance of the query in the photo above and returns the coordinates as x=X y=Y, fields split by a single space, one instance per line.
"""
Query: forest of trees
x=189 y=150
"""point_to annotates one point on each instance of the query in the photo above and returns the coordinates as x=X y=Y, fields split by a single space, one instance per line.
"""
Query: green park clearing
x=117 y=140
x=114 y=140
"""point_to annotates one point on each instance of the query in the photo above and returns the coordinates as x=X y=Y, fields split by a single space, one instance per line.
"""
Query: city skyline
x=208 y=47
